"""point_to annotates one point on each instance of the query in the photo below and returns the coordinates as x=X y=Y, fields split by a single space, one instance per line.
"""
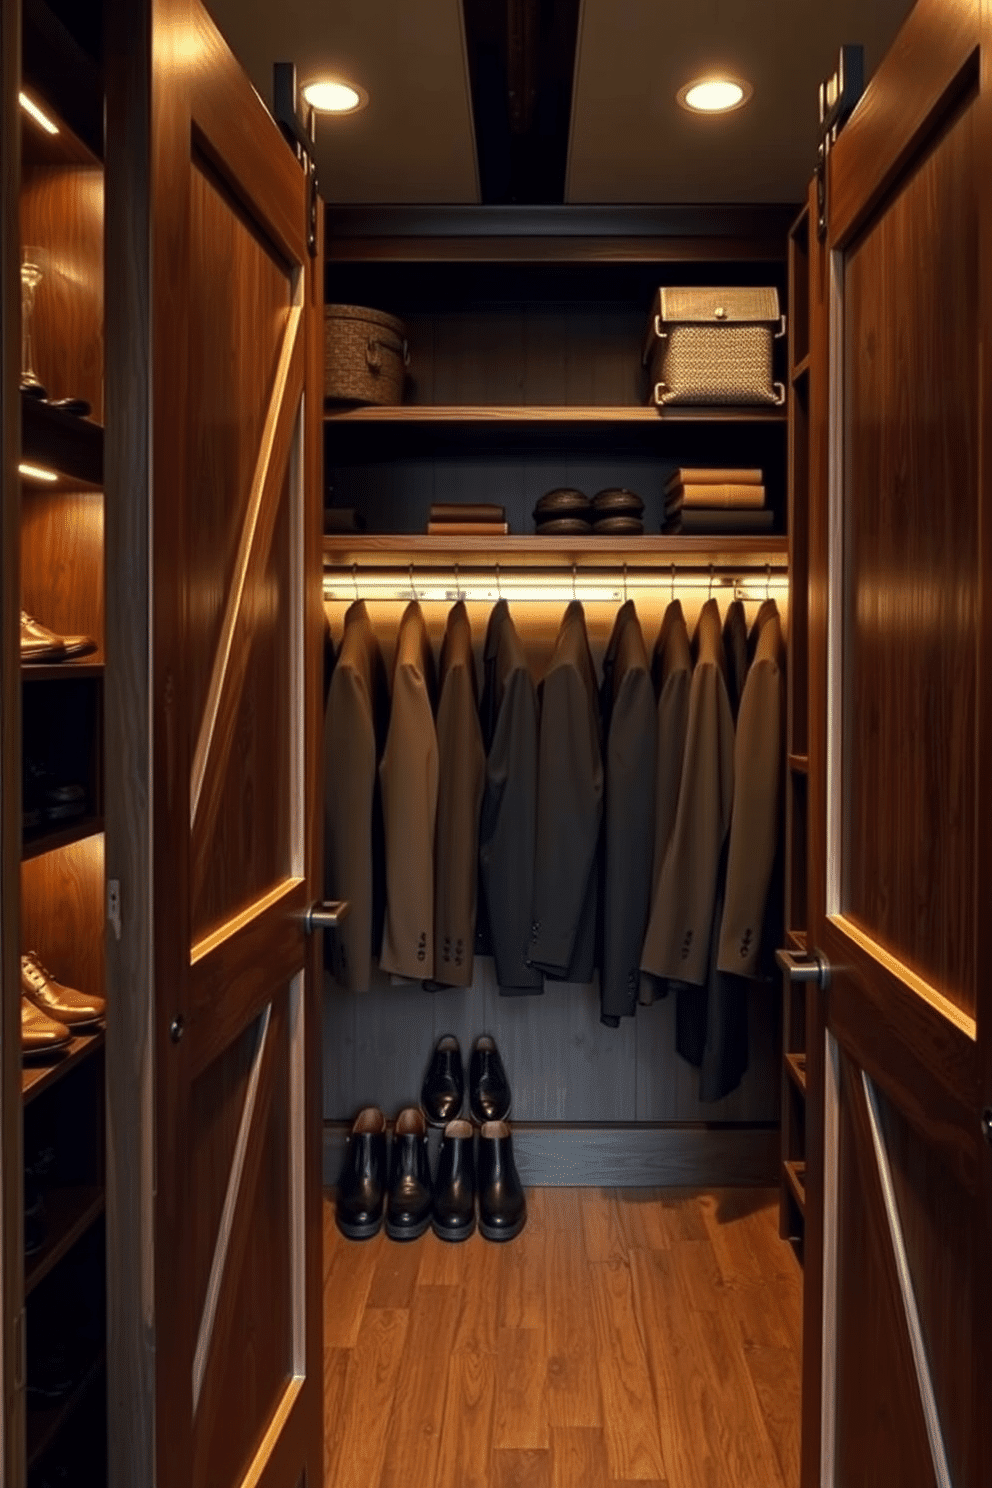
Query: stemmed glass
x=33 y=263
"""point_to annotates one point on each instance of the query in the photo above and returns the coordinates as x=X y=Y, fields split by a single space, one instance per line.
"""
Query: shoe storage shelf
x=62 y=869
x=525 y=327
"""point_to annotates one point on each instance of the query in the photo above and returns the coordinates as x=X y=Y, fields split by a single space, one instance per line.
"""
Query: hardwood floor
x=628 y=1336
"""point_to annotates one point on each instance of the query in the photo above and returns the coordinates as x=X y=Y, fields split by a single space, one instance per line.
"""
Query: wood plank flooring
x=628 y=1336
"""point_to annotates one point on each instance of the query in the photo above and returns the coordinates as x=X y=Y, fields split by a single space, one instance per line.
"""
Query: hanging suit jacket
x=508 y=828
x=409 y=776
x=672 y=675
x=354 y=734
x=677 y=942
x=569 y=809
x=462 y=768
x=630 y=729
x=735 y=650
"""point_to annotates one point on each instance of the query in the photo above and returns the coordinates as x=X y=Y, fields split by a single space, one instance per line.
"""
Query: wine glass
x=33 y=264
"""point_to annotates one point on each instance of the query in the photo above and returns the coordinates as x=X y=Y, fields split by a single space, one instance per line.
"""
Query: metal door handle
x=813 y=967
x=325 y=914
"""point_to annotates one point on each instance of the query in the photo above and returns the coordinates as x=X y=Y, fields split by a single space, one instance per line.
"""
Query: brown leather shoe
x=38 y=643
x=40 y=1034
x=65 y=1004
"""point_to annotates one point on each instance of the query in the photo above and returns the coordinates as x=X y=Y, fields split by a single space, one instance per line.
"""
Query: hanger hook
x=413 y=591
x=458 y=590
x=710 y=595
x=574 y=575
x=673 y=583
x=768 y=581
x=354 y=580
x=625 y=583
x=499 y=587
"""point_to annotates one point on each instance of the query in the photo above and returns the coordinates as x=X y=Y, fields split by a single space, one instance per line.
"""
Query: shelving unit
x=62 y=872
x=792 y=1197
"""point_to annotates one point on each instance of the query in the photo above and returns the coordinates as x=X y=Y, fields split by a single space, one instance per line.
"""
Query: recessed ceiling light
x=38 y=115
x=334 y=96
x=714 y=95
x=36 y=472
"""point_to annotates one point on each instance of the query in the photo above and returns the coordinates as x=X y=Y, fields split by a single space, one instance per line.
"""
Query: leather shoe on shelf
x=40 y=1035
x=64 y=1004
x=502 y=1205
x=454 y=1186
x=408 y=1213
x=361 y=1195
x=443 y=1090
x=38 y=643
x=488 y=1087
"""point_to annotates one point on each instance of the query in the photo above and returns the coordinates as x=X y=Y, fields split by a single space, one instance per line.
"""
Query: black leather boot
x=454 y=1186
x=443 y=1090
x=502 y=1205
x=488 y=1087
x=362 y=1184
x=409 y=1210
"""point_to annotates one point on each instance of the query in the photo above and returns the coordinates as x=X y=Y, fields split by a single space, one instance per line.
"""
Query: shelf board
x=74 y=831
x=61 y=671
x=69 y=1212
x=45 y=1423
x=799 y=764
x=406 y=414
x=399 y=550
x=64 y=79
x=797 y=940
x=795 y=1065
x=37 y=1078
x=795 y=1177
x=800 y=369
x=62 y=442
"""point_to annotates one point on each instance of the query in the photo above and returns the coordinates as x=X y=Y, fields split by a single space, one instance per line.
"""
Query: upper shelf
x=650 y=551
x=71 y=446
x=63 y=79
x=407 y=413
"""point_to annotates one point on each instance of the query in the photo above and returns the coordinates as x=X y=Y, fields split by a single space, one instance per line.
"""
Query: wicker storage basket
x=365 y=355
x=713 y=346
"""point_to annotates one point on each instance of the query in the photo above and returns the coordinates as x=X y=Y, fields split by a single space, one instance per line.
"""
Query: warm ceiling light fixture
x=38 y=115
x=36 y=472
x=335 y=96
x=714 y=95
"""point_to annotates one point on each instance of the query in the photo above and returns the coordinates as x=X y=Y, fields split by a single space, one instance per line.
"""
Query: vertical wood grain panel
x=62 y=913
x=62 y=566
x=912 y=522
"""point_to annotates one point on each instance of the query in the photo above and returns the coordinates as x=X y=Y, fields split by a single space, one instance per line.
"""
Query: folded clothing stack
x=466 y=519
x=730 y=502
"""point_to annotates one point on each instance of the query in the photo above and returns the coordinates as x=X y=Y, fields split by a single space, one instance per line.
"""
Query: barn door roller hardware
x=838 y=95
x=300 y=131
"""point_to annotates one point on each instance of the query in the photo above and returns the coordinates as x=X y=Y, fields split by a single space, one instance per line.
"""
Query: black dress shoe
x=409 y=1211
x=454 y=1186
x=502 y=1205
x=443 y=1090
x=488 y=1087
x=362 y=1185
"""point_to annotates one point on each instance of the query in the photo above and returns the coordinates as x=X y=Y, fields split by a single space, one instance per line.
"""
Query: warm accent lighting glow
x=714 y=95
x=39 y=117
x=332 y=96
x=36 y=472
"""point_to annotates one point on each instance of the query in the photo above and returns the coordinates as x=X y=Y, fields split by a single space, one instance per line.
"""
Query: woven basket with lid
x=365 y=355
x=713 y=346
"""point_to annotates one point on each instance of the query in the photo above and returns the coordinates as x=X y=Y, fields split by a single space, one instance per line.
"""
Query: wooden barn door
x=901 y=773
x=209 y=267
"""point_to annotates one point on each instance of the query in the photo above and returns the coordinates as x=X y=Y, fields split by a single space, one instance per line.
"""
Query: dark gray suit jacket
x=509 y=807
x=354 y=735
x=569 y=809
x=630 y=727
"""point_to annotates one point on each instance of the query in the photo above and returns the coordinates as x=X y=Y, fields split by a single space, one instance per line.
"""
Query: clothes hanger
x=354 y=580
x=710 y=594
x=574 y=591
x=672 y=599
x=625 y=583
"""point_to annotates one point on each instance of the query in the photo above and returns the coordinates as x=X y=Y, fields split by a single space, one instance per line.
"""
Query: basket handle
x=779 y=389
x=373 y=354
x=660 y=389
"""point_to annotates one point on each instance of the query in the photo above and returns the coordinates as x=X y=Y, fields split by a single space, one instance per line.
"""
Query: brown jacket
x=462 y=767
x=630 y=727
x=754 y=828
x=569 y=809
x=354 y=732
x=409 y=776
x=509 y=809
x=677 y=941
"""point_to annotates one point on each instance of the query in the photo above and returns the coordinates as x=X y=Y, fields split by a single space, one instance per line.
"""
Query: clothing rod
x=561 y=584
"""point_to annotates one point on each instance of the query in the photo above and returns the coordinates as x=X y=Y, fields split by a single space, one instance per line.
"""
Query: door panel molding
x=944 y=1011
x=913 y=1327
x=205 y=1331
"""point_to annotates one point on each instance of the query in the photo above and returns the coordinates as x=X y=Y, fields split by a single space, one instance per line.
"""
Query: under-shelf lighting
x=36 y=472
x=38 y=115
x=335 y=96
x=552 y=585
x=714 y=95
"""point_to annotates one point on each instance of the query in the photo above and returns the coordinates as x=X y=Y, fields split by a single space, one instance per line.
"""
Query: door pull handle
x=814 y=968
x=325 y=914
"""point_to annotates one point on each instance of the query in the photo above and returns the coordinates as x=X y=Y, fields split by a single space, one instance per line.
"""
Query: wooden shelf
x=60 y=76
x=44 y=1424
x=37 y=1078
x=795 y=1065
x=75 y=831
x=795 y=1177
x=528 y=550
x=557 y=416
x=60 y=441
x=69 y=1212
x=61 y=671
x=799 y=764
x=800 y=369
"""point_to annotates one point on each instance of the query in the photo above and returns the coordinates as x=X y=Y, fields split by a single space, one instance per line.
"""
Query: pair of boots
x=409 y=1202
